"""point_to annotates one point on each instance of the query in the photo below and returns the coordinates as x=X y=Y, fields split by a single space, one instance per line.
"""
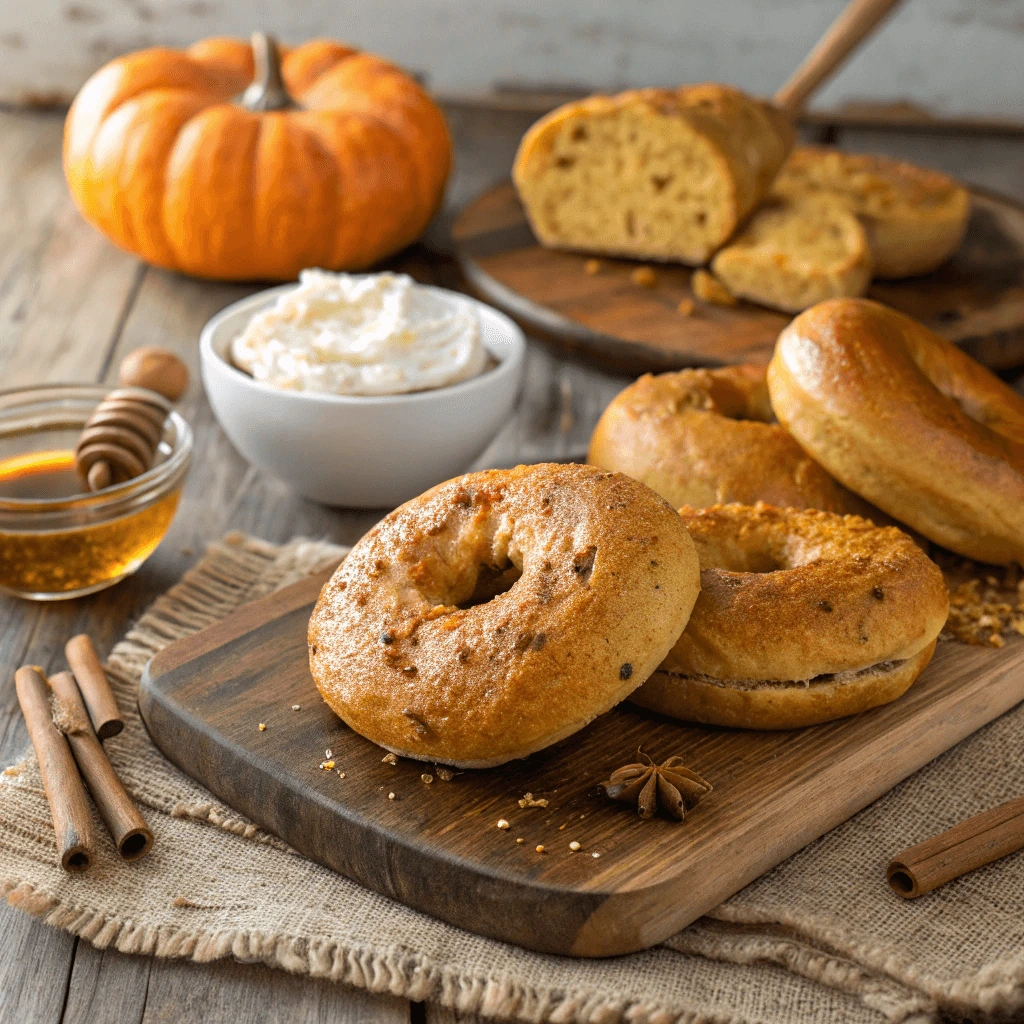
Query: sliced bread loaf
x=795 y=254
x=654 y=174
x=915 y=217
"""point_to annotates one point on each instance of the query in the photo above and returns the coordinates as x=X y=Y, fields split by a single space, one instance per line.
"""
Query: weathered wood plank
x=226 y=992
x=106 y=987
x=35 y=962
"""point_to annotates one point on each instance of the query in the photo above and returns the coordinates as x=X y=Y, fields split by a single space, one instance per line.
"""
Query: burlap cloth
x=819 y=939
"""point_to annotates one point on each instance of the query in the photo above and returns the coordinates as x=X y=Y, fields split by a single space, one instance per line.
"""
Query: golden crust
x=657 y=174
x=718 y=702
x=428 y=641
x=907 y=420
x=795 y=253
x=915 y=217
x=708 y=437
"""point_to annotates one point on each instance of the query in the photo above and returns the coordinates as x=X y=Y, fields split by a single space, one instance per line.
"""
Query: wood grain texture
x=976 y=299
x=435 y=846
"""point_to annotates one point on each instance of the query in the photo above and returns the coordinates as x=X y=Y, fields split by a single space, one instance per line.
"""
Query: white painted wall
x=952 y=57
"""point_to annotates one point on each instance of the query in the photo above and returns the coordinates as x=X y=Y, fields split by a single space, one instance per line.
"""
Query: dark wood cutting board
x=435 y=846
x=976 y=299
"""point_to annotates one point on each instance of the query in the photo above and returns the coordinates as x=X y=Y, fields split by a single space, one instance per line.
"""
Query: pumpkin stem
x=267 y=91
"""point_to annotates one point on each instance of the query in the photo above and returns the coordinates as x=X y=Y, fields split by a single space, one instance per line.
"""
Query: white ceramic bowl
x=360 y=451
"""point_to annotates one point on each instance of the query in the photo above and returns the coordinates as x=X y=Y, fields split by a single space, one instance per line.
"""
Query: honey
x=84 y=551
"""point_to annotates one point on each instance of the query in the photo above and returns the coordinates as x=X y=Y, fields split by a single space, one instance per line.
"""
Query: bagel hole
x=491 y=582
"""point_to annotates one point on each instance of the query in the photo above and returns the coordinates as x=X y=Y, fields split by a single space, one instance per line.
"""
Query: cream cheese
x=361 y=334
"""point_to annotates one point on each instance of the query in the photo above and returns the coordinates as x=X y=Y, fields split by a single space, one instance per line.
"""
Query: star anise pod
x=667 y=787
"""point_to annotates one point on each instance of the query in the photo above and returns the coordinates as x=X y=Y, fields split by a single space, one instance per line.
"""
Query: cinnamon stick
x=69 y=806
x=977 y=841
x=129 y=831
x=94 y=686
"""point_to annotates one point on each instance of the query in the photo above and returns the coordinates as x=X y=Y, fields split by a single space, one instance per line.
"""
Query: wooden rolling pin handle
x=69 y=805
x=127 y=828
x=857 y=21
x=94 y=685
x=971 y=844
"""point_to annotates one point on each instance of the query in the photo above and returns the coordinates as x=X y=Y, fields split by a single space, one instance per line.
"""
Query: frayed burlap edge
x=407 y=975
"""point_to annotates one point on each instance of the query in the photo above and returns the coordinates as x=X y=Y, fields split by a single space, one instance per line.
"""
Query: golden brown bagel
x=908 y=421
x=802 y=617
x=502 y=611
x=707 y=437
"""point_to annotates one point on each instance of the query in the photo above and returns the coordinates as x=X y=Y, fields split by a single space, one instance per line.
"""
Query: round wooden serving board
x=975 y=300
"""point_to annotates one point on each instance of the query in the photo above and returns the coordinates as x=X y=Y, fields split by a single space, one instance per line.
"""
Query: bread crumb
x=445 y=774
x=502 y=823
x=592 y=267
x=708 y=288
x=645 y=277
x=296 y=707
x=595 y=855
x=540 y=849
x=263 y=726
x=574 y=846
x=561 y=828
x=389 y=759
x=14 y=769
x=328 y=752
x=686 y=307
x=426 y=779
x=327 y=766
x=391 y=796
x=519 y=840
x=341 y=774
x=529 y=801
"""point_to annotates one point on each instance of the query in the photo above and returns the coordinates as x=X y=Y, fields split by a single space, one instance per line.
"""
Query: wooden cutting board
x=435 y=846
x=976 y=299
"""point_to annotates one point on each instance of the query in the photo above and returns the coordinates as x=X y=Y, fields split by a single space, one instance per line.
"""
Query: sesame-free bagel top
x=907 y=420
x=502 y=611
x=705 y=437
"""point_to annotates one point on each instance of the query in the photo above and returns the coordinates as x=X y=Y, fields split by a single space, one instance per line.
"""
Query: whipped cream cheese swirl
x=361 y=334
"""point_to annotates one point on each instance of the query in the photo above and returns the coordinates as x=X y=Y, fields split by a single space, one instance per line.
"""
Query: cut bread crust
x=795 y=254
x=655 y=174
x=915 y=217
x=755 y=704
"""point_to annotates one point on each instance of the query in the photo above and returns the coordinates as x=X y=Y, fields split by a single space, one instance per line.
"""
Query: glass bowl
x=58 y=540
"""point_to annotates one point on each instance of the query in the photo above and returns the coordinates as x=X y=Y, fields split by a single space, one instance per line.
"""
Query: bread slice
x=796 y=254
x=654 y=174
x=915 y=217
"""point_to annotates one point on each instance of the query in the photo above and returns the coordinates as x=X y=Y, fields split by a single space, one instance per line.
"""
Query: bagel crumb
x=561 y=828
x=686 y=307
x=529 y=801
x=574 y=846
x=426 y=779
x=328 y=752
x=391 y=796
x=595 y=855
x=263 y=726
x=502 y=823
x=341 y=774
x=981 y=608
x=445 y=774
x=540 y=848
x=389 y=759
x=645 y=277
x=519 y=840
x=327 y=766
x=296 y=707
x=592 y=267
x=709 y=289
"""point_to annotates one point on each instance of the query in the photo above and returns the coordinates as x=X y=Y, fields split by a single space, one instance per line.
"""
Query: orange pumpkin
x=330 y=158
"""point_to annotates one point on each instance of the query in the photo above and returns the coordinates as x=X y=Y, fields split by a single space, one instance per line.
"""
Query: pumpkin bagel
x=802 y=617
x=707 y=437
x=502 y=611
x=908 y=421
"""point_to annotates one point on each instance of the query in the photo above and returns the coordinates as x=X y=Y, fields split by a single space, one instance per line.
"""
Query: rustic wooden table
x=71 y=306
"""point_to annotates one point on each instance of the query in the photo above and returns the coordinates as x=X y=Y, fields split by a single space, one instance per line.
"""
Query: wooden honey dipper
x=122 y=434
